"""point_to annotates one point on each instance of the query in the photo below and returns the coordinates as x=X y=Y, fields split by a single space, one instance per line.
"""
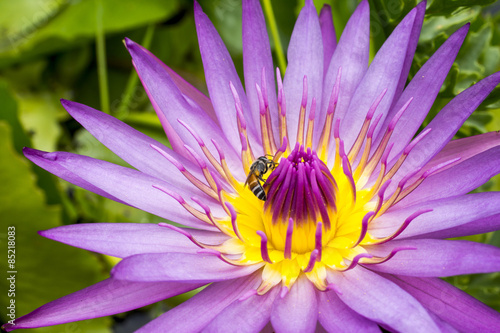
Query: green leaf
x=41 y=28
x=46 y=270
x=448 y=7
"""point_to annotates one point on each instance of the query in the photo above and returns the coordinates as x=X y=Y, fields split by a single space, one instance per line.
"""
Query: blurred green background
x=52 y=49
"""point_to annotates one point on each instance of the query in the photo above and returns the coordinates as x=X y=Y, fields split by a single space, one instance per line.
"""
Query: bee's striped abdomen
x=259 y=192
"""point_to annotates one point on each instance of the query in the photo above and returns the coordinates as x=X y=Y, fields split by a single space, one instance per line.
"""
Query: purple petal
x=182 y=267
x=454 y=306
x=219 y=72
x=126 y=239
x=437 y=258
x=465 y=148
x=351 y=55
x=423 y=88
x=127 y=185
x=380 y=300
x=382 y=74
x=479 y=226
x=171 y=107
x=105 y=298
x=305 y=58
x=256 y=57
x=194 y=314
x=250 y=315
x=131 y=145
x=412 y=45
x=447 y=213
x=37 y=157
x=298 y=310
x=457 y=180
x=188 y=91
x=328 y=35
x=447 y=123
x=335 y=316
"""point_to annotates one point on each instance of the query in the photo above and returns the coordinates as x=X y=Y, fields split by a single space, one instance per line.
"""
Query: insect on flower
x=259 y=168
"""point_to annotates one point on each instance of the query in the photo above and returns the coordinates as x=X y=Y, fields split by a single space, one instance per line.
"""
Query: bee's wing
x=248 y=178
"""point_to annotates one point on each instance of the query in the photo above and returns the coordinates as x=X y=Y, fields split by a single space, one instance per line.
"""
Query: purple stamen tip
x=202 y=205
x=336 y=128
x=236 y=97
x=312 y=114
x=169 y=158
x=262 y=104
x=263 y=247
x=244 y=145
x=198 y=159
x=371 y=130
x=440 y=167
x=284 y=144
x=387 y=151
x=241 y=117
x=319 y=240
x=398 y=115
x=288 y=241
x=416 y=140
x=170 y=193
x=219 y=150
x=304 y=92
x=375 y=104
x=192 y=132
x=312 y=261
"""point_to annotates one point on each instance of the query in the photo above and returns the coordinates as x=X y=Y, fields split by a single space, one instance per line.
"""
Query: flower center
x=294 y=214
x=302 y=189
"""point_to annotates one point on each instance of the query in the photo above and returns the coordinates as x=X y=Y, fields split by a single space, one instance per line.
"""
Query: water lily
x=311 y=202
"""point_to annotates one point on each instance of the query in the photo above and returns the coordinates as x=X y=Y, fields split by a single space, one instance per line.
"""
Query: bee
x=259 y=168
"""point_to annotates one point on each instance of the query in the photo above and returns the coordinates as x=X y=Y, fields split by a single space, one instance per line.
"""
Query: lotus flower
x=311 y=206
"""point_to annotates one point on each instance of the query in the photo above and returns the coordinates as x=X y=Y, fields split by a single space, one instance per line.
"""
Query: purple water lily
x=310 y=207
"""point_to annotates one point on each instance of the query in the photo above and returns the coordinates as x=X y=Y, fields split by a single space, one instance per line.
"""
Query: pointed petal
x=447 y=123
x=127 y=185
x=172 y=106
x=257 y=56
x=298 y=310
x=189 y=92
x=131 y=145
x=437 y=258
x=382 y=74
x=351 y=55
x=219 y=72
x=37 y=157
x=380 y=300
x=126 y=239
x=195 y=313
x=105 y=298
x=457 y=180
x=454 y=306
x=335 y=316
x=305 y=58
x=328 y=35
x=250 y=315
x=423 y=88
x=182 y=267
x=465 y=148
x=412 y=45
x=447 y=213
